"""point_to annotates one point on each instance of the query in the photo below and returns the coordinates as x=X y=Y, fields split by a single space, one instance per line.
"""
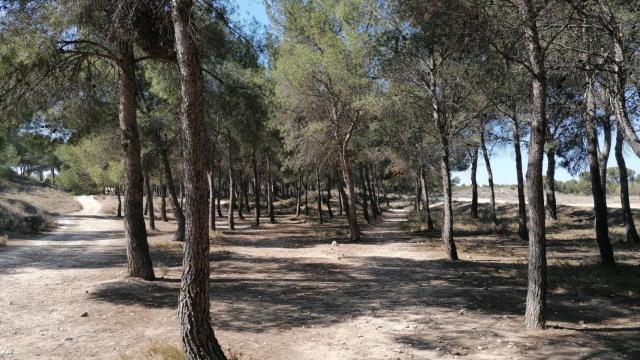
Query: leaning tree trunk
x=631 y=234
x=212 y=199
x=535 y=314
x=425 y=199
x=492 y=193
x=365 y=200
x=599 y=197
x=175 y=202
x=138 y=258
x=272 y=218
x=319 y=191
x=522 y=207
x=350 y=193
x=198 y=339
x=150 y=211
x=474 y=182
x=163 y=203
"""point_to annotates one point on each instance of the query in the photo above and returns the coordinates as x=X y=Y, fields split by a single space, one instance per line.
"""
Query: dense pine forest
x=296 y=185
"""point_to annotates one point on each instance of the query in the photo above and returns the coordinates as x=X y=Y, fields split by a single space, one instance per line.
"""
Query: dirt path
x=283 y=292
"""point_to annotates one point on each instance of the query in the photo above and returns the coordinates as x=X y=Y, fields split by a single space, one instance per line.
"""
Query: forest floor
x=283 y=292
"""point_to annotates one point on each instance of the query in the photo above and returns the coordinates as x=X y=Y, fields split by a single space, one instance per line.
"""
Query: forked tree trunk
x=474 y=182
x=138 y=258
x=147 y=188
x=175 y=203
x=599 y=197
x=319 y=193
x=256 y=189
x=631 y=234
x=550 y=182
x=350 y=193
x=492 y=193
x=522 y=207
x=212 y=199
x=198 y=339
x=536 y=306
x=425 y=199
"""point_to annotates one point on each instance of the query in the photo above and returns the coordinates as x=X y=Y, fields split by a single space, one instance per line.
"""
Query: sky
x=502 y=159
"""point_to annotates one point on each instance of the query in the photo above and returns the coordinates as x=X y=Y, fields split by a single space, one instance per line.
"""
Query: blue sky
x=502 y=159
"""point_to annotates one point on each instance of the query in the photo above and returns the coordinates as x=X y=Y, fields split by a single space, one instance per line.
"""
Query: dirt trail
x=283 y=292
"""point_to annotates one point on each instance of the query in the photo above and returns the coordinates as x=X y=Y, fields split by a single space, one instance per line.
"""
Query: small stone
x=68 y=339
x=84 y=314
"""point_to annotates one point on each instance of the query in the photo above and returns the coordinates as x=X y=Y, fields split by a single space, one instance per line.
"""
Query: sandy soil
x=284 y=292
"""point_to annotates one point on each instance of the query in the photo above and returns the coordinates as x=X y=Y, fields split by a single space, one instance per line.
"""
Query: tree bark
x=535 y=314
x=374 y=210
x=138 y=258
x=631 y=234
x=149 y=194
x=599 y=197
x=474 y=182
x=603 y=156
x=492 y=193
x=306 y=197
x=550 y=182
x=522 y=207
x=298 y=194
x=198 y=339
x=232 y=193
x=425 y=199
x=219 y=195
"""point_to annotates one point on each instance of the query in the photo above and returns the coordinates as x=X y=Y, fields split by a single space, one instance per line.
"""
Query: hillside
x=28 y=206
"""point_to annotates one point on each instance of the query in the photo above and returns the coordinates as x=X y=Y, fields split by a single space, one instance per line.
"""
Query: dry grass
x=216 y=235
x=3 y=240
x=165 y=245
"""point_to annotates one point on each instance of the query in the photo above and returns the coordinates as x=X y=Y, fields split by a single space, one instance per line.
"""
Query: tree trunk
x=319 y=192
x=256 y=189
x=522 y=207
x=272 y=218
x=163 y=203
x=599 y=197
x=119 y=213
x=138 y=258
x=219 y=195
x=232 y=193
x=425 y=199
x=603 y=156
x=447 y=218
x=212 y=199
x=198 y=339
x=535 y=314
x=474 y=182
x=492 y=193
x=175 y=203
x=306 y=197
x=347 y=176
x=375 y=211
x=365 y=197
x=238 y=197
x=550 y=185
x=340 y=199
x=631 y=234
x=329 y=198
x=298 y=194
x=147 y=187
x=418 y=192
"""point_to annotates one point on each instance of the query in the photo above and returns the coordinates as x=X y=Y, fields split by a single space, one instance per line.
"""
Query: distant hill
x=28 y=206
